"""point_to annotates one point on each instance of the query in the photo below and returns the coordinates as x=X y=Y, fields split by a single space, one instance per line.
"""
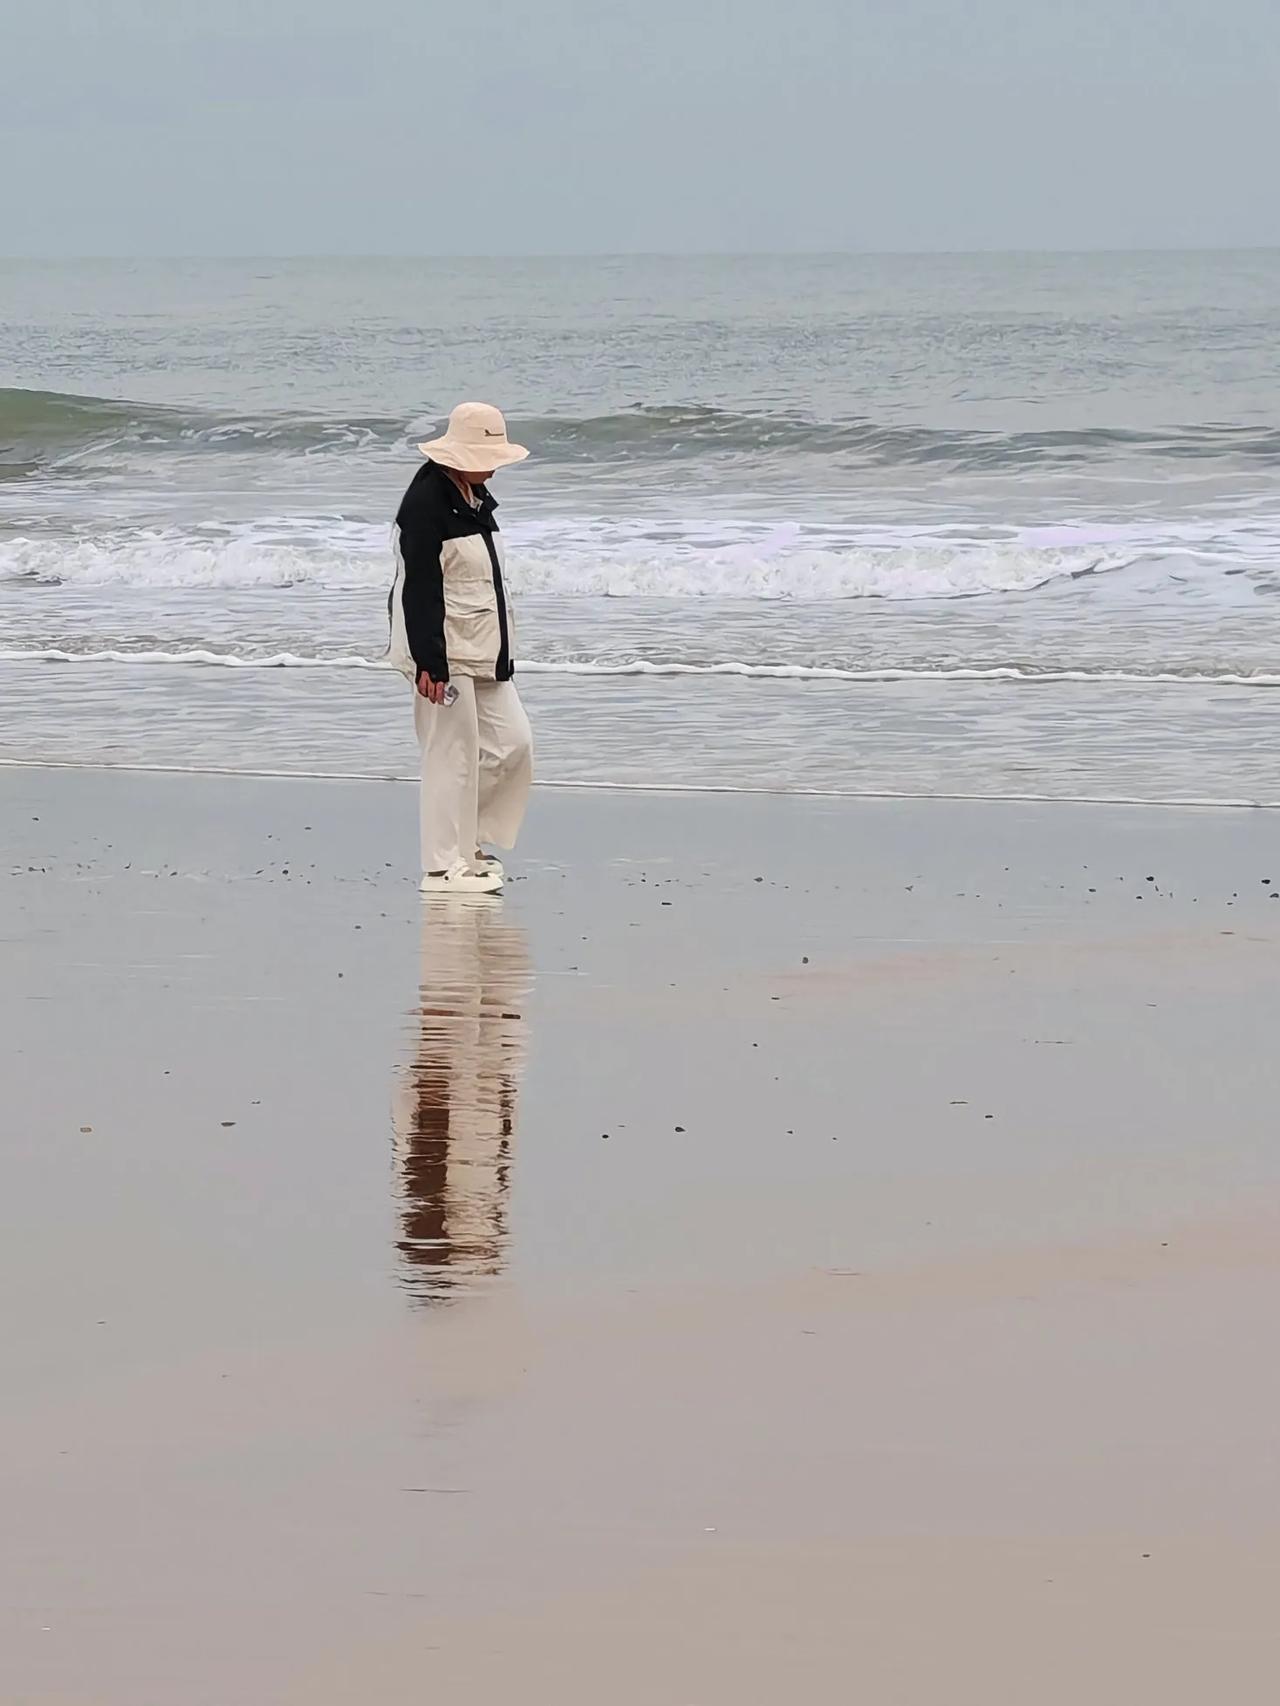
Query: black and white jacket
x=448 y=605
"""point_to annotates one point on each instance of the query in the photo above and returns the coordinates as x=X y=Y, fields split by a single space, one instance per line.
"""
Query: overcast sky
x=559 y=126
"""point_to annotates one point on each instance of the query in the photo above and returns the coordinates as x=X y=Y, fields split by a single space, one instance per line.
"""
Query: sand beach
x=783 y=1249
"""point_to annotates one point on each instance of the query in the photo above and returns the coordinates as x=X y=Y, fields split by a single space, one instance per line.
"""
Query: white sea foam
x=660 y=667
x=773 y=566
x=903 y=572
x=689 y=560
x=163 y=559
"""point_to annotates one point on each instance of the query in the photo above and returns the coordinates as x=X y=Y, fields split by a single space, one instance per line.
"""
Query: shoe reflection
x=455 y=1111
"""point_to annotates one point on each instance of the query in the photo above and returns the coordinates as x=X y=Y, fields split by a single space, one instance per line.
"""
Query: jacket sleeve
x=421 y=542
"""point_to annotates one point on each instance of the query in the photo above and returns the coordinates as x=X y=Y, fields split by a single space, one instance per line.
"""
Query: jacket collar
x=454 y=498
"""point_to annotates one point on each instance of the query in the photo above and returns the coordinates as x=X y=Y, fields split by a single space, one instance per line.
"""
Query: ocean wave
x=170 y=559
x=666 y=432
x=773 y=565
x=728 y=667
x=784 y=568
x=39 y=427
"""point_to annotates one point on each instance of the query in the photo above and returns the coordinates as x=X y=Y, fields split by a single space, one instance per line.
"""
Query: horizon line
x=651 y=254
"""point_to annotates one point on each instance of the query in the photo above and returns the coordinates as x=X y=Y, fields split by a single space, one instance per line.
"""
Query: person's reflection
x=455 y=1114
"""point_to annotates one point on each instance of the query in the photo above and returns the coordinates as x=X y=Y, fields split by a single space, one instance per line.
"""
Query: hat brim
x=472 y=458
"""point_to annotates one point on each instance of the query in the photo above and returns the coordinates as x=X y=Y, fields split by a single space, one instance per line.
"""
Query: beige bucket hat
x=475 y=441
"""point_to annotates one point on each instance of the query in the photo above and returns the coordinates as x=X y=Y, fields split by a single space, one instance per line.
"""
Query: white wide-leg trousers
x=477 y=768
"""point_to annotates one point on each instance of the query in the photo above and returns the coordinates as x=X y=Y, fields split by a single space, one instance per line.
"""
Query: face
x=478 y=479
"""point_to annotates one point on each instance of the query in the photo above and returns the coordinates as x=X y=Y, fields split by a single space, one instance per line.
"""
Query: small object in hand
x=450 y=695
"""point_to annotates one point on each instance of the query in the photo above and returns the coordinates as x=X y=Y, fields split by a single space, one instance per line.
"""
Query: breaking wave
x=42 y=427
x=776 y=565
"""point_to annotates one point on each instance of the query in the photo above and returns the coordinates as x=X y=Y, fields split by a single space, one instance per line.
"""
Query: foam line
x=660 y=667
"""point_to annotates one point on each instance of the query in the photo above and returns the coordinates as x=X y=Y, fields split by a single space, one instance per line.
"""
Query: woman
x=452 y=635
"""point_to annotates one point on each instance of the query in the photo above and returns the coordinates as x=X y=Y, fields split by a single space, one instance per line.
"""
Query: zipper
x=502 y=668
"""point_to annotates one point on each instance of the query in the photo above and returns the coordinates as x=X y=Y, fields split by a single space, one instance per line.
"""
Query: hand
x=430 y=688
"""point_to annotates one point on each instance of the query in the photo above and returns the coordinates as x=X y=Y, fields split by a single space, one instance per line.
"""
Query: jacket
x=448 y=605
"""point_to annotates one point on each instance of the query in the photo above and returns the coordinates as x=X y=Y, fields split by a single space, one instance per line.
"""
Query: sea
x=987 y=525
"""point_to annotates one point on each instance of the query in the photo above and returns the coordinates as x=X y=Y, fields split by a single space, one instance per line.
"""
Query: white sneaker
x=488 y=862
x=461 y=879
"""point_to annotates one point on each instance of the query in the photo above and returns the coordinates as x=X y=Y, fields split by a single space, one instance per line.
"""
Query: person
x=453 y=636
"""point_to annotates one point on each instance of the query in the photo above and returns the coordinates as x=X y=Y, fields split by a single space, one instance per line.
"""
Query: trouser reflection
x=455 y=1109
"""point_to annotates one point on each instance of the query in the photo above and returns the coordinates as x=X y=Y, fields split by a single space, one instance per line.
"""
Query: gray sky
x=411 y=127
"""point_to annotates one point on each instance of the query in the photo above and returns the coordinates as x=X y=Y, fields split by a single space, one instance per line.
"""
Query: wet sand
x=784 y=1250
